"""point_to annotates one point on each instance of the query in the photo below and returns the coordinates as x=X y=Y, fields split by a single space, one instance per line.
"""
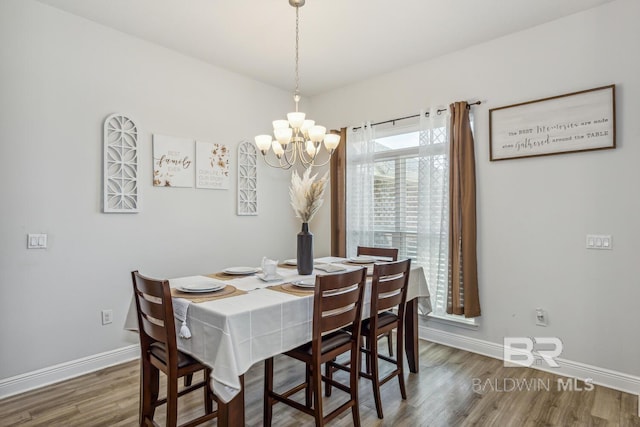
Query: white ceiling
x=341 y=41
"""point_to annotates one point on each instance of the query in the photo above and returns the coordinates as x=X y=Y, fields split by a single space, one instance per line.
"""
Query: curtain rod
x=426 y=114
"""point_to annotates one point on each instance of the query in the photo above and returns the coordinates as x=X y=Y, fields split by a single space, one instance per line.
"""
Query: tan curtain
x=463 y=266
x=338 y=197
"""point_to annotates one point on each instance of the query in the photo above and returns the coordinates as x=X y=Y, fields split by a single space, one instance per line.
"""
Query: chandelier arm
x=279 y=165
x=292 y=151
x=322 y=164
x=306 y=159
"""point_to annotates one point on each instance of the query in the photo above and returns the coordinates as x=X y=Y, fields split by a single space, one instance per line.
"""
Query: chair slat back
x=391 y=253
x=338 y=300
x=155 y=311
x=389 y=285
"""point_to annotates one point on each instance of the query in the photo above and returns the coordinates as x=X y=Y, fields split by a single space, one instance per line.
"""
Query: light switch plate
x=599 y=241
x=36 y=241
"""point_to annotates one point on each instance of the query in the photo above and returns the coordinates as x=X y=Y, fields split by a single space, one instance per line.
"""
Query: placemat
x=224 y=276
x=228 y=291
x=291 y=289
x=290 y=267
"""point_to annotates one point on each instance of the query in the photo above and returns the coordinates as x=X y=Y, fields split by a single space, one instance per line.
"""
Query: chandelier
x=297 y=139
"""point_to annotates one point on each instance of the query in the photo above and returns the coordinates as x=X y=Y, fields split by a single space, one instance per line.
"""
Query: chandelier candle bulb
x=283 y=135
x=263 y=142
x=277 y=149
x=311 y=150
x=279 y=124
x=331 y=141
x=296 y=119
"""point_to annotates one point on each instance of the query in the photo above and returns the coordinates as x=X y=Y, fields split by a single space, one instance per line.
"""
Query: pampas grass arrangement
x=306 y=194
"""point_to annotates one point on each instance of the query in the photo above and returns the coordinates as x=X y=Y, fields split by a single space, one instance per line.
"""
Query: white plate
x=240 y=271
x=305 y=283
x=291 y=261
x=363 y=259
x=200 y=291
x=204 y=286
x=197 y=284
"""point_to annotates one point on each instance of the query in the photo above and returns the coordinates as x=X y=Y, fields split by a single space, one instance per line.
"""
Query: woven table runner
x=228 y=291
x=224 y=276
x=291 y=289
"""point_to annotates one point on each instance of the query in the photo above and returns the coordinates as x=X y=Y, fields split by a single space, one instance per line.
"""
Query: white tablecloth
x=231 y=334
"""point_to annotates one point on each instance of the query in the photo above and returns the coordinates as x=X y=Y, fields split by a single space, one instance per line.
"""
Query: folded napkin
x=180 y=307
x=329 y=268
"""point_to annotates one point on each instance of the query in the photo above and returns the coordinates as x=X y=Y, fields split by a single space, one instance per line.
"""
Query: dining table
x=254 y=318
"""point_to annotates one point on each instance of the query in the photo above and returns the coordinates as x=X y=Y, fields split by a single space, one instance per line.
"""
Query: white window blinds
x=397 y=195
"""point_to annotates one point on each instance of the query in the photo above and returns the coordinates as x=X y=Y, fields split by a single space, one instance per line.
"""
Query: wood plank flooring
x=453 y=388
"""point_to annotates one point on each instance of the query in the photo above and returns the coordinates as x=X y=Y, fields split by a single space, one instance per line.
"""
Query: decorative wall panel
x=247 y=179
x=121 y=192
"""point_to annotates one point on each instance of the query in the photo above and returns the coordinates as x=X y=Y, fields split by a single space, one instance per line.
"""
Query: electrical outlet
x=541 y=317
x=107 y=316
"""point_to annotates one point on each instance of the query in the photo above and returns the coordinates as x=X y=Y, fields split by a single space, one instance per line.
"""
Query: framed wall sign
x=579 y=121
x=212 y=165
x=173 y=161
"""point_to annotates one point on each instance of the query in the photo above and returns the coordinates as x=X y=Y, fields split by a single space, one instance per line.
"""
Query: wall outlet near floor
x=107 y=316
x=541 y=317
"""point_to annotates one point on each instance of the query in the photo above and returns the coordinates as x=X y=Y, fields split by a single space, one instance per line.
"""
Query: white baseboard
x=568 y=368
x=42 y=377
x=53 y=374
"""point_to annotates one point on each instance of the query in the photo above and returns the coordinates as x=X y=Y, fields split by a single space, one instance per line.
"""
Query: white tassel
x=184 y=331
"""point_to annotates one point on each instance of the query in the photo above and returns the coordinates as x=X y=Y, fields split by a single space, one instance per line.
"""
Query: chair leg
x=354 y=375
x=328 y=372
x=367 y=345
x=308 y=391
x=149 y=387
x=172 y=401
x=316 y=374
x=268 y=388
x=208 y=393
x=375 y=376
x=400 y=362
x=145 y=393
x=188 y=379
x=390 y=343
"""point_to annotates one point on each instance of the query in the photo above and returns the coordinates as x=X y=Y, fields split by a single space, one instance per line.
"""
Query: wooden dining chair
x=392 y=255
x=156 y=326
x=337 y=303
x=388 y=290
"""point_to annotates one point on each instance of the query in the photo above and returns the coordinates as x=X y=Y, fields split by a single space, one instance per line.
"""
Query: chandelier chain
x=298 y=139
x=297 y=55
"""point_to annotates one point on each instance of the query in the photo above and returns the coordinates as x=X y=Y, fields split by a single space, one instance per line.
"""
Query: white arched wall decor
x=247 y=179
x=121 y=191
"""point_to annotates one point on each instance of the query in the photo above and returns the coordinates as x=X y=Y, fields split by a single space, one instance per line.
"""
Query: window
x=397 y=196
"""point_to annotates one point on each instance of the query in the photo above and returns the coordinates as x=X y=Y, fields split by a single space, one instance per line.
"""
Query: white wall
x=60 y=77
x=534 y=213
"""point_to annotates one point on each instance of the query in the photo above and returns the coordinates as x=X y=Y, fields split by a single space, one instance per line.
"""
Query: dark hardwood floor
x=453 y=388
